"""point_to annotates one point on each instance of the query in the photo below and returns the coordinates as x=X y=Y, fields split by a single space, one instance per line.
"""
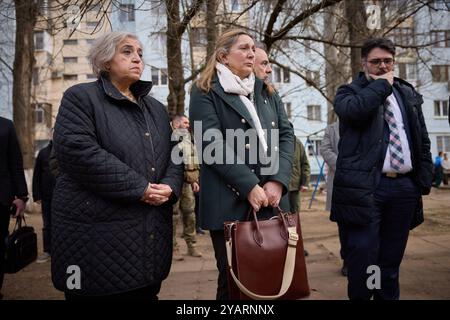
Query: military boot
x=193 y=252
x=177 y=255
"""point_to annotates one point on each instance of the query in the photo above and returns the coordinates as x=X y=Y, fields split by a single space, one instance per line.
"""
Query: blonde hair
x=104 y=49
x=223 y=45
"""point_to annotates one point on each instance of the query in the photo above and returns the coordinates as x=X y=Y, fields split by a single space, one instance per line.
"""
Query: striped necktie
x=395 y=146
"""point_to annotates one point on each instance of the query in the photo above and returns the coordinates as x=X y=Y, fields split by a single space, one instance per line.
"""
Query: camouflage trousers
x=185 y=207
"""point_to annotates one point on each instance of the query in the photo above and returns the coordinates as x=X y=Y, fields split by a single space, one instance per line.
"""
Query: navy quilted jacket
x=108 y=149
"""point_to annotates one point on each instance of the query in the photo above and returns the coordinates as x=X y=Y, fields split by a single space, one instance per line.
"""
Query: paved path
x=425 y=271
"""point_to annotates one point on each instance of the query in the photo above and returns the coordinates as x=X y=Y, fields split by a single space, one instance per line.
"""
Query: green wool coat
x=224 y=187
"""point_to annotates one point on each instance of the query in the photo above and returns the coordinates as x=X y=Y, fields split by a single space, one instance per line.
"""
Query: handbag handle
x=19 y=222
x=289 y=263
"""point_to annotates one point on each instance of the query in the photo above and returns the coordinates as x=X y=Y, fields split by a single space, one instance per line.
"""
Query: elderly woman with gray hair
x=112 y=219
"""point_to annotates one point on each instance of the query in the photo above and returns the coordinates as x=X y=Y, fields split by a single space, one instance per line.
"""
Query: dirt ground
x=425 y=271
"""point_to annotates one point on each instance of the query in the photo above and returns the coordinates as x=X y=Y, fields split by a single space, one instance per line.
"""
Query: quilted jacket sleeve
x=81 y=157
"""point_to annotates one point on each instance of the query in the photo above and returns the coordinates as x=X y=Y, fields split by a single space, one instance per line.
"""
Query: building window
x=90 y=41
x=407 y=71
x=403 y=36
x=314 y=147
x=440 y=38
x=443 y=143
x=440 y=73
x=39 y=40
x=39 y=114
x=159 y=77
x=234 y=5
x=159 y=42
x=442 y=4
x=91 y=76
x=70 y=77
x=307 y=44
x=92 y=24
x=199 y=37
x=70 y=42
x=96 y=7
x=288 y=108
x=35 y=76
x=314 y=113
x=314 y=77
x=158 y=8
x=126 y=13
x=280 y=75
x=70 y=59
x=441 y=109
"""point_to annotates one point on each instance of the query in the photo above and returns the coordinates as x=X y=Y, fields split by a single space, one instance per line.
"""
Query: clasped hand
x=270 y=194
x=157 y=194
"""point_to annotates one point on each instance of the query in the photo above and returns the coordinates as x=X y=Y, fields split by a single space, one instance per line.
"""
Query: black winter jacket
x=43 y=179
x=108 y=149
x=12 y=177
x=363 y=144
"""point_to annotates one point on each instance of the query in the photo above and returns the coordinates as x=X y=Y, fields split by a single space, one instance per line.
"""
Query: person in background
x=300 y=176
x=438 y=170
x=185 y=207
x=13 y=190
x=446 y=168
x=329 y=152
x=43 y=185
x=300 y=165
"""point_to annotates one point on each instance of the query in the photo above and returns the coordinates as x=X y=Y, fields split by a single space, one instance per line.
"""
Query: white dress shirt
x=407 y=166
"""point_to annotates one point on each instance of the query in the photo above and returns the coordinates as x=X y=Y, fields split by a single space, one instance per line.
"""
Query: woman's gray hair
x=104 y=49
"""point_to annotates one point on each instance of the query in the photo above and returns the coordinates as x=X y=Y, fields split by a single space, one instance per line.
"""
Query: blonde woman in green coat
x=245 y=141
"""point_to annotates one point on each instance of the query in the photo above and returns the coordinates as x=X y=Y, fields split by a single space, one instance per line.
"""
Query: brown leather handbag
x=266 y=259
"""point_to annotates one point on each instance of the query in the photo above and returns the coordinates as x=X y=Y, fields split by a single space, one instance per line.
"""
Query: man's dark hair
x=383 y=43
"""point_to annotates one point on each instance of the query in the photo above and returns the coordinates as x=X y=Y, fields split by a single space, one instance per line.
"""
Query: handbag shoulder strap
x=288 y=272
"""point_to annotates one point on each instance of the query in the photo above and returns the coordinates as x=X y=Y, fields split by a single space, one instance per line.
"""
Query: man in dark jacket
x=383 y=167
x=13 y=187
x=43 y=185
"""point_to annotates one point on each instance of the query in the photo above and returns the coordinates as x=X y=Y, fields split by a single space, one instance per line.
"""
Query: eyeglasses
x=377 y=62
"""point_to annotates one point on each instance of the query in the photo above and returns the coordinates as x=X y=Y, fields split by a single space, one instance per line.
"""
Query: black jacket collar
x=139 y=89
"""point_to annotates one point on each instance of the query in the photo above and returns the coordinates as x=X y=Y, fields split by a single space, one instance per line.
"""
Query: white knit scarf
x=231 y=83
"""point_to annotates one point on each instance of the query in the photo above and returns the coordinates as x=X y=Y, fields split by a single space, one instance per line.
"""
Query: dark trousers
x=220 y=252
x=146 y=293
x=343 y=240
x=4 y=224
x=47 y=224
x=198 y=224
x=383 y=241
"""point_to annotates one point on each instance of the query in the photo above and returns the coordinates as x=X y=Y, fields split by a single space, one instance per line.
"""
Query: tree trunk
x=337 y=68
x=175 y=99
x=26 y=15
x=355 y=13
x=211 y=28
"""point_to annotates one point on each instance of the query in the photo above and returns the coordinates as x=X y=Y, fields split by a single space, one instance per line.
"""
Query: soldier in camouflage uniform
x=186 y=204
